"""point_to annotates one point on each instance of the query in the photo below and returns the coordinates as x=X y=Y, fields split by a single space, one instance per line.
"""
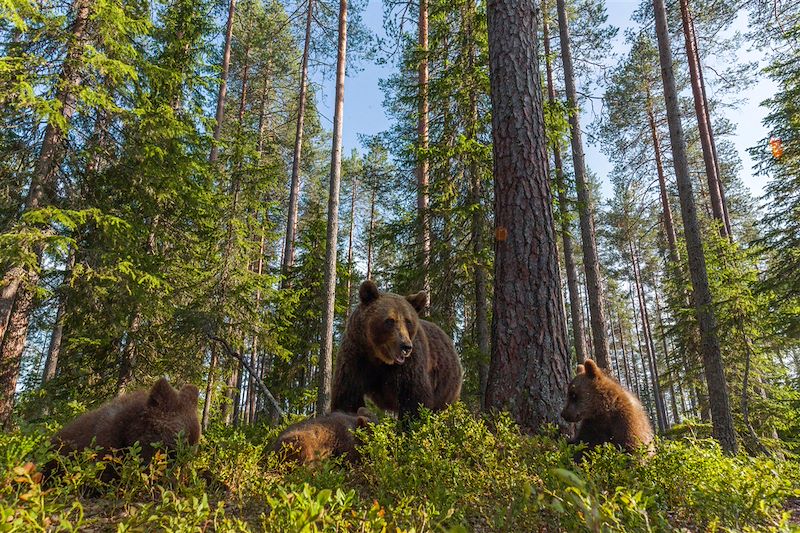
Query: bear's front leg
x=414 y=391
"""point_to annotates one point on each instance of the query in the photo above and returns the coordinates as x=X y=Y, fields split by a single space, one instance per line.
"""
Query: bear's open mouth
x=401 y=358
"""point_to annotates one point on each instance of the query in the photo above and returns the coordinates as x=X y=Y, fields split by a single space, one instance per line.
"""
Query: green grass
x=450 y=472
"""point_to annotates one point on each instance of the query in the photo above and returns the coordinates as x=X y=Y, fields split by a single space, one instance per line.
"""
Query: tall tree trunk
x=721 y=418
x=645 y=385
x=223 y=82
x=262 y=112
x=693 y=57
x=326 y=351
x=664 y=346
x=669 y=224
x=628 y=382
x=17 y=277
x=644 y=315
x=422 y=147
x=591 y=263
x=212 y=367
x=350 y=241
x=54 y=347
x=576 y=317
x=371 y=232
x=477 y=222
x=528 y=373
x=13 y=346
x=294 y=190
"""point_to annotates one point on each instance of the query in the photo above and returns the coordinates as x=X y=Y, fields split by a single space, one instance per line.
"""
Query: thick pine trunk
x=722 y=421
x=223 y=82
x=13 y=346
x=294 y=188
x=326 y=350
x=591 y=263
x=576 y=317
x=528 y=373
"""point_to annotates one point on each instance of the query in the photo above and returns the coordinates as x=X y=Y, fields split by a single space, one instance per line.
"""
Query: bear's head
x=390 y=322
x=582 y=392
x=168 y=413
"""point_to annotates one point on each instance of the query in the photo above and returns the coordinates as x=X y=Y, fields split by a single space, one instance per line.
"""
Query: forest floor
x=452 y=471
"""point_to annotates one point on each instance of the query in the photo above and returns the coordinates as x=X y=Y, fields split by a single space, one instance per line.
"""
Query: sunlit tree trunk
x=722 y=421
x=576 y=318
x=326 y=345
x=223 y=82
x=294 y=188
x=528 y=373
x=591 y=263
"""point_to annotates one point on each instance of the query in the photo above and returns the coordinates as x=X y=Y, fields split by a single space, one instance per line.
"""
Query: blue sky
x=364 y=114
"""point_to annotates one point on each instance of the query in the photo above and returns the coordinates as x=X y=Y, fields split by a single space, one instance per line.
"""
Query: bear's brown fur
x=325 y=436
x=398 y=360
x=157 y=415
x=605 y=410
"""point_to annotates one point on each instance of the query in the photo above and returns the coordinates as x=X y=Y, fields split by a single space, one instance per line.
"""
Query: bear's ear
x=368 y=292
x=592 y=369
x=418 y=301
x=162 y=395
x=189 y=395
x=579 y=370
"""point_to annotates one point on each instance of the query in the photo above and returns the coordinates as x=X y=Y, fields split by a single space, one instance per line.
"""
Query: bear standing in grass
x=321 y=437
x=606 y=411
x=157 y=415
x=398 y=360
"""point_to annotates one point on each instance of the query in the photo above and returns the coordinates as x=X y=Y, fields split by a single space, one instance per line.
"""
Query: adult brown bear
x=605 y=410
x=398 y=360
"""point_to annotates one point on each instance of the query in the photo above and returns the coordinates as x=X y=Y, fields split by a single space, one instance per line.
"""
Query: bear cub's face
x=390 y=322
x=580 y=392
x=170 y=412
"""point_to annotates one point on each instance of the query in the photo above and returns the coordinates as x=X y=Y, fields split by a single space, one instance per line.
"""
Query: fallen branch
x=256 y=379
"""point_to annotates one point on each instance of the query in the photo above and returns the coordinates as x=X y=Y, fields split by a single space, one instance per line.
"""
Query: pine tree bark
x=704 y=126
x=326 y=351
x=591 y=263
x=294 y=192
x=423 y=177
x=576 y=318
x=722 y=421
x=528 y=372
x=223 y=82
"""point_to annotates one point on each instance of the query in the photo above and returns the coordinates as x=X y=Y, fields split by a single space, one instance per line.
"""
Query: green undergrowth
x=451 y=471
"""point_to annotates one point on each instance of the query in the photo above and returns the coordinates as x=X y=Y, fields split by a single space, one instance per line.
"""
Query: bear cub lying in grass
x=322 y=437
x=605 y=410
x=158 y=415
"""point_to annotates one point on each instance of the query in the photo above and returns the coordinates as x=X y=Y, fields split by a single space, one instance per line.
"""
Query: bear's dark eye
x=409 y=325
x=573 y=396
x=389 y=322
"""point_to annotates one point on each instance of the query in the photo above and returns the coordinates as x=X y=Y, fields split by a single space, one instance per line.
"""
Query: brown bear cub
x=157 y=415
x=398 y=360
x=322 y=437
x=606 y=411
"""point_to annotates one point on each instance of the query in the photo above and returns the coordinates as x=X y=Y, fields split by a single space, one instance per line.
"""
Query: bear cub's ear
x=418 y=300
x=189 y=394
x=580 y=369
x=592 y=370
x=368 y=292
x=162 y=395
